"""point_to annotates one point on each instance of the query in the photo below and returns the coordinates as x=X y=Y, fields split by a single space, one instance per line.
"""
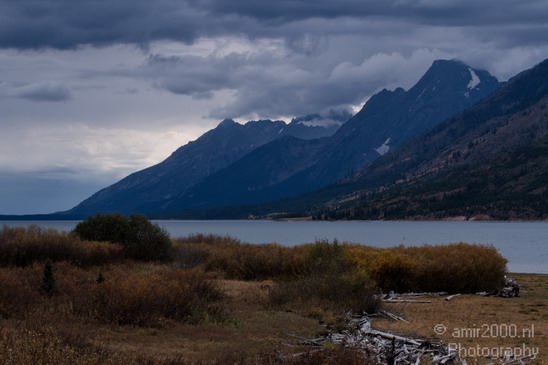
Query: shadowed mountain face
x=155 y=186
x=263 y=161
x=491 y=160
x=390 y=118
x=253 y=177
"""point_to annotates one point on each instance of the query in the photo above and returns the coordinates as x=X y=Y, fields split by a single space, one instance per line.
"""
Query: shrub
x=236 y=260
x=23 y=246
x=19 y=292
x=141 y=239
x=144 y=298
x=329 y=280
x=141 y=295
x=208 y=239
x=254 y=262
x=47 y=347
x=457 y=267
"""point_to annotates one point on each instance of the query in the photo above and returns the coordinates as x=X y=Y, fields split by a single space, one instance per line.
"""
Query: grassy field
x=487 y=322
x=259 y=330
x=218 y=301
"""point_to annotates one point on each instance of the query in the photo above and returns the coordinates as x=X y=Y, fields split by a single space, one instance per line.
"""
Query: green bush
x=141 y=239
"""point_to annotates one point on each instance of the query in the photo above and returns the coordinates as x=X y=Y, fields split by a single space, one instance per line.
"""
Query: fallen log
x=393 y=316
x=387 y=348
x=390 y=336
x=406 y=301
x=452 y=296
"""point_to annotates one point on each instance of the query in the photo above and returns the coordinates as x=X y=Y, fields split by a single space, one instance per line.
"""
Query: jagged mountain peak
x=227 y=123
x=294 y=157
x=456 y=76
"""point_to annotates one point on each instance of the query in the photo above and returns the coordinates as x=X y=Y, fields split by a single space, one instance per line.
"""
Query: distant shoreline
x=480 y=218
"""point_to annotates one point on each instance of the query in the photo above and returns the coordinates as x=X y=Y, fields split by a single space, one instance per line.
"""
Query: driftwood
x=451 y=297
x=424 y=294
x=406 y=301
x=393 y=316
x=387 y=348
x=510 y=290
x=393 y=297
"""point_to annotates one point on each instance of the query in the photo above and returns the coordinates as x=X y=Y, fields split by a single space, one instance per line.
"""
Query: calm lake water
x=524 y=244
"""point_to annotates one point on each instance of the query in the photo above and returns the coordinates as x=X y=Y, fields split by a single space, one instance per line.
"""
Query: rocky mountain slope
x=227 y=143
x=388 y=119
x=489 y=161
x=253 y=163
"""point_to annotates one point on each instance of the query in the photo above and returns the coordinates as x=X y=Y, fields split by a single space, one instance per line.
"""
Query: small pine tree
x=100 y=278
x=48 y=280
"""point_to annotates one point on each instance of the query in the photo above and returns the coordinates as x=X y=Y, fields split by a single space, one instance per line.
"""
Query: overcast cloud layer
x=93 y=90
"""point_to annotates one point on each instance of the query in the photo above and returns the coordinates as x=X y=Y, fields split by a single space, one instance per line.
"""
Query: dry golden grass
x=24 y=246
x=254 y=330
x=487 y=322
x=177 y=313
x=134 y=294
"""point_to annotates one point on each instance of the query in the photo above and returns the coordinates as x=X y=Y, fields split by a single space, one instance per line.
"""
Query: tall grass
x=48 y=346
x=140 y=295
x=23 y=246
x=236 y=260
x=328 y=281
x=96 y=285
x=143 y=298
x=458 y=267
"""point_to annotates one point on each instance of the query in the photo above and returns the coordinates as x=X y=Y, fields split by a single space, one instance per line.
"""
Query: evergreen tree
x=48 y=280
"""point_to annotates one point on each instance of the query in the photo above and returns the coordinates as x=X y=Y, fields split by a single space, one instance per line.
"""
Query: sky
x=93 y=90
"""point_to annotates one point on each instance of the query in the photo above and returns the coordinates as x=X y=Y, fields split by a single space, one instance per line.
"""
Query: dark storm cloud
x=63 y=24
x=271 y=83
x=214 y=59
x=31 y=24
x=328 y=55
x=448 y=12
x=44 y=92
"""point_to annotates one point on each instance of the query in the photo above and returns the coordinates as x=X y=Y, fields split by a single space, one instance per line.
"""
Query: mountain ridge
x=195 y=175
x=187 y=165
x=352 y=145
x=508 y=123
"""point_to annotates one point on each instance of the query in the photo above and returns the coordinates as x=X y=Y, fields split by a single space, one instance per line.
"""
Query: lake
x=524 y=244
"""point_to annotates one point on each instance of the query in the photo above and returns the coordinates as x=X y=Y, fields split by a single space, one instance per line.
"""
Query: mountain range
x=488 y=162
x=154 y=187
x=266 y=161
x=491 y=162
x=459 y=144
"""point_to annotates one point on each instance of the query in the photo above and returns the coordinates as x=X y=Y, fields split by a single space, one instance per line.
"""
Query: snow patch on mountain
x=474 y=81
x=383 y=148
